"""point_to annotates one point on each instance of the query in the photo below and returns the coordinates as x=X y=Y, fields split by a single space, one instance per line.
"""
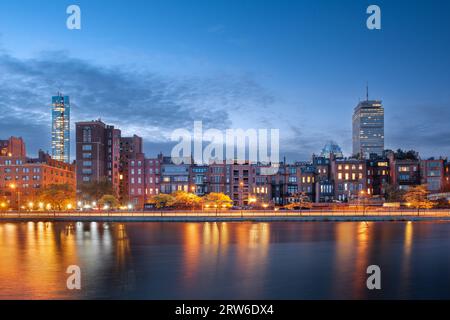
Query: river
x=225 y=260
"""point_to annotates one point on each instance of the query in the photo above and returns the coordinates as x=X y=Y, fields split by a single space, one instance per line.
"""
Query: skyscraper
x=368 y=128
x=61 y=128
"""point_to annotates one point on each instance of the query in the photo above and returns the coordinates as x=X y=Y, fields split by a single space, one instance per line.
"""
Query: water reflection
x=224 y=260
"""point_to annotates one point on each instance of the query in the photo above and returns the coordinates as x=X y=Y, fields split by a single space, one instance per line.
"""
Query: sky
x=152 y=66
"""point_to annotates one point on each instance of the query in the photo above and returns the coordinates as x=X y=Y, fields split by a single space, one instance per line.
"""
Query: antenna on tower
x=367 y=91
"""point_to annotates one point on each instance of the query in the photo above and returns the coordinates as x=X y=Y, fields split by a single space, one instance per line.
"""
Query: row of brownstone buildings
x=102 y=153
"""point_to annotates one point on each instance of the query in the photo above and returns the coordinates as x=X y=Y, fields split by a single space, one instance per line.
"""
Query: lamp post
x=363 y=204
x=15 y=188
x=252 y=200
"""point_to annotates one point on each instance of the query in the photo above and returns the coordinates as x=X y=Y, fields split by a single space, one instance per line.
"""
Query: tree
x=183 y=200
x=95 y=190
x=416 y=197
x=59 y=196
x=408 y=155
x=162 y=200
x=299 y=200
x=393 y=193
x=218 y=200
x=109 y=201
x=442 y=203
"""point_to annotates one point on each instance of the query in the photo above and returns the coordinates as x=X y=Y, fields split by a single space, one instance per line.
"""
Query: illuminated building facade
x=61 y=128
x=368 y=129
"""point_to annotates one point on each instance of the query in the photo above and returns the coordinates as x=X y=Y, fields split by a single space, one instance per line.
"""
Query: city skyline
x=230 y=79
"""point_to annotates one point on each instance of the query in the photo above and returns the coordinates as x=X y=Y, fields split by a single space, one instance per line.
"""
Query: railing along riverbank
x=373 y=214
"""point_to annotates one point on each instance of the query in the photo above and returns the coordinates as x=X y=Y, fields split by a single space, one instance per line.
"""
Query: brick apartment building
x=350 y=178
x=98 y=153
x=21 y=178
x=404 y=170
x=432 y=174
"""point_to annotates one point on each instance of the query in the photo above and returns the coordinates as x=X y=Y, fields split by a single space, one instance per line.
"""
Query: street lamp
x=14 y=187
x=363 y=204
x=252 y=200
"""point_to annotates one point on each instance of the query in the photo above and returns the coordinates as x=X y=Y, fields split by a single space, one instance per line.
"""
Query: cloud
x=426 y=130
x=137 y=101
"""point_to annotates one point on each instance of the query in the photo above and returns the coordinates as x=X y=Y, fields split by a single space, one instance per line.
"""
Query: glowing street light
x=13 y=186
x=69 y=206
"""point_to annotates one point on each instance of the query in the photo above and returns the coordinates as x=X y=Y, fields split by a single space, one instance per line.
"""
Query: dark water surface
x=280 y=260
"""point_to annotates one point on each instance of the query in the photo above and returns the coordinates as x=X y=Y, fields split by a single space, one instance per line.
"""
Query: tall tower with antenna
x=368 y=127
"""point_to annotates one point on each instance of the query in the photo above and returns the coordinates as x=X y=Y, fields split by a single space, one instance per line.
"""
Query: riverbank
x=229 y=216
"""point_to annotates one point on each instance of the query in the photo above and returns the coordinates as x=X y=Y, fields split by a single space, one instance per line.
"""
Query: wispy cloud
x=137 y=101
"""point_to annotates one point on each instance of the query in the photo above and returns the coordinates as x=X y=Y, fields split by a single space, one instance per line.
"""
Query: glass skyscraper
x=368 y=128
x=61 y=128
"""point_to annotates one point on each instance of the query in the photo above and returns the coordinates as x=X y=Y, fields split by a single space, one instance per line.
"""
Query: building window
x=87 y=147
x=87 y=134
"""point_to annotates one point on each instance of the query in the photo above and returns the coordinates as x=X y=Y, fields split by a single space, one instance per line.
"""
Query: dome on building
x=331 y=147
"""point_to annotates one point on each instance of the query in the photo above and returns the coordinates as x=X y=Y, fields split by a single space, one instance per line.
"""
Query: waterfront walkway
x=201 y=216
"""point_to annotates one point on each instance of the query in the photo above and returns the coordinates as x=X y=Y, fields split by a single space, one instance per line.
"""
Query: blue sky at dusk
x=150 y=67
